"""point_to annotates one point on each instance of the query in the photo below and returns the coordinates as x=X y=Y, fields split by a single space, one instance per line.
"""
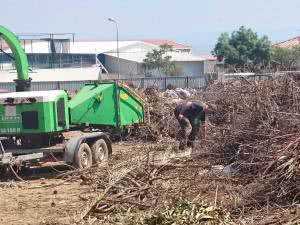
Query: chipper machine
x=36 y=124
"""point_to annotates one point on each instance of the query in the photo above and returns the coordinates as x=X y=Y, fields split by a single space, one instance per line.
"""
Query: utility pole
x=118 y=55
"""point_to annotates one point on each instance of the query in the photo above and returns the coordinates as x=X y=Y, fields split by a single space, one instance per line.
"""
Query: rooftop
x=89 y=46
x=174 y=44
x=288 y=43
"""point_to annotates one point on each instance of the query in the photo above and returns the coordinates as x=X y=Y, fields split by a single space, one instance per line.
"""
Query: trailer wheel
x=100 y=152
x=83 y=157
x=4 y=170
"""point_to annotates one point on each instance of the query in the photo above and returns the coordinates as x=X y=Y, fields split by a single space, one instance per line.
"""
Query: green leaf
x=243 y=47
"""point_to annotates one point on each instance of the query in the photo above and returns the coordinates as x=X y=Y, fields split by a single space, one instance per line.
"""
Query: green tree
x=284 y=58
x=159 y=60
x=243 y=48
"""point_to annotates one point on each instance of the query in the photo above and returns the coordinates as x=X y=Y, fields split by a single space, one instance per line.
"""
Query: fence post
x=143 y=83
x=60 y=64
x=187 y=82
x=58 y=85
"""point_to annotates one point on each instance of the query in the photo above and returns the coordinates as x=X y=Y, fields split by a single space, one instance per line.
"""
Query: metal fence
x=164 y=82
x=160 y=83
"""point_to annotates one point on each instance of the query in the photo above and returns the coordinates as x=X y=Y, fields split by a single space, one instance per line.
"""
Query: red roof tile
x=168 y=42
x=289 y=43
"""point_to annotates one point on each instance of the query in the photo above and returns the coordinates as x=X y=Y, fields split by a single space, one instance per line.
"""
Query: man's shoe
x=181 y=146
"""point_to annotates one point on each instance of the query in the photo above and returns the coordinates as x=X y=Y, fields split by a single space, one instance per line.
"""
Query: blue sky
x=193 y=22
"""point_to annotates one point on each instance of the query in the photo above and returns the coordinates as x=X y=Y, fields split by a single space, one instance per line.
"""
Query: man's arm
x=179 y=111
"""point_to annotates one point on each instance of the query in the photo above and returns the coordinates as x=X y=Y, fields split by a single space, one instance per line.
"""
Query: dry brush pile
x=256 y=129
x=139 y=191
x=161 y=123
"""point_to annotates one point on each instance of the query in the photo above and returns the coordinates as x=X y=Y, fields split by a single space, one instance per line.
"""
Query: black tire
x=83 y=157
x=4 y=171
x=100 y=152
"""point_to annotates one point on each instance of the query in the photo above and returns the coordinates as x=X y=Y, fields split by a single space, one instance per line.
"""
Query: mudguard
x=72 y=146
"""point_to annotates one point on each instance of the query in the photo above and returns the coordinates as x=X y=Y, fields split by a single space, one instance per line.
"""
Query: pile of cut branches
x=123 y=187
x=189 y=213
x=159 y=116
x=256 y=129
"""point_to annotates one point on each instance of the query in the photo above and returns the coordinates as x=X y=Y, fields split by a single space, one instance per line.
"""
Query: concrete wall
x=210 y=66
x=71 y=74
x=127 y=68
x=133 y=69
x=191 y=69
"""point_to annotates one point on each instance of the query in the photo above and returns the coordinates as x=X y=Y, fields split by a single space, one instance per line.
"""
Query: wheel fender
x=72 y=145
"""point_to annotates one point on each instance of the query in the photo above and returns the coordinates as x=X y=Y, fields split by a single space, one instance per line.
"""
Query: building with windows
x=62 y=55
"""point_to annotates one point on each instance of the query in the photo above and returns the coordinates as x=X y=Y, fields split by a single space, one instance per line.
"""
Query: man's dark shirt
x=190 y=111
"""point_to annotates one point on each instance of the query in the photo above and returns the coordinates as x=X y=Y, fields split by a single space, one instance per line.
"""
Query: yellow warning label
x=124 y=96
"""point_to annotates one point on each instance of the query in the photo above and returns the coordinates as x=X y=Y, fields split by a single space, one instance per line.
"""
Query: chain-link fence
x=160 y=83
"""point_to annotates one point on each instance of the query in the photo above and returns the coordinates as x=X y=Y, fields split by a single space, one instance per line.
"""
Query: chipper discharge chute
x=106 y=104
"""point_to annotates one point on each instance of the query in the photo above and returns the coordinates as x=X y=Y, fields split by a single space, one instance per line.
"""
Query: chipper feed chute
x=106 y=104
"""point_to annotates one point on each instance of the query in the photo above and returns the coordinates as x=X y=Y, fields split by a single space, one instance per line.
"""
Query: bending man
x=191 y=117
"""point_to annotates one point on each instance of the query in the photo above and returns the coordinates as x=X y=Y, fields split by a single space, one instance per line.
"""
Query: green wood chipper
x=34 y=124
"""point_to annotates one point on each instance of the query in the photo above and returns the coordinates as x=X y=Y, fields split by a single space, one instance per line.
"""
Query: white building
x=132 y=56
x=68 y=55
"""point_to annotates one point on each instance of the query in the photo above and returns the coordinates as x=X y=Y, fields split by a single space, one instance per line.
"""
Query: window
x=30 y=120
x=61 y=117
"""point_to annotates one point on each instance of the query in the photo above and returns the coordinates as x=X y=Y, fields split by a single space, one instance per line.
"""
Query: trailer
x=37 y=124
x=78 y=149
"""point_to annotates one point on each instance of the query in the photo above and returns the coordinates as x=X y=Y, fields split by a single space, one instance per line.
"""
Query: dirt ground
x=45 y=199
x=38 y=202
